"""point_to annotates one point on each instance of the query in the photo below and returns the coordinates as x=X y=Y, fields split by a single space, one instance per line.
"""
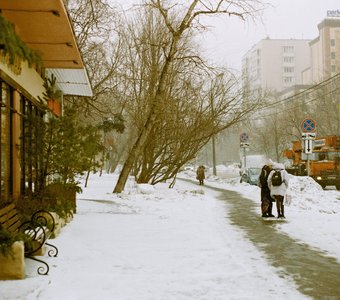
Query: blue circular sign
x=244 y=137
x=308 y=125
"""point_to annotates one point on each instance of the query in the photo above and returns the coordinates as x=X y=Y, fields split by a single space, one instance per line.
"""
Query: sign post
x=308 y=127
x=244 y=145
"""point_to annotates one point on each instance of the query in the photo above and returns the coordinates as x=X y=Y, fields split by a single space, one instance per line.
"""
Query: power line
x=292 y=107
x=301 y=95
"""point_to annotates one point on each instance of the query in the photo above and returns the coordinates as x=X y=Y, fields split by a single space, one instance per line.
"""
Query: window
x=288 y=49
x=5 y=138
x=288 y=79
x=30 y=154
x=288 y=59
x=288 y=69
x=332 y=55
x=332 y=42
x=31 y=147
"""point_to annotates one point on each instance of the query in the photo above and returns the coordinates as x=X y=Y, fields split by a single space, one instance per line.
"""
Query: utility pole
x=214 y=155
x=244 y=145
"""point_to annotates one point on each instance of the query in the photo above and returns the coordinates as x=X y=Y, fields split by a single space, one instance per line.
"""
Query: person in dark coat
x=200 y=175
x=266 y=199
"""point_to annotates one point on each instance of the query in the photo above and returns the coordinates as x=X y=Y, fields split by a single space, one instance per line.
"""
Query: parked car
x=251 y=176
x=188 y=168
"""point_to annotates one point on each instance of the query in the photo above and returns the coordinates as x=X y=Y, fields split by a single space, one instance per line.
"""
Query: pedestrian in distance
x=278 y=184
x=266 y=199
x=200 y=175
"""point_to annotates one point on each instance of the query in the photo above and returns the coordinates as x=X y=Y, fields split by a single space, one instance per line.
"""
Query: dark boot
x=262 y=209
x=282 y=211
x=278 y=206
x=270 y=209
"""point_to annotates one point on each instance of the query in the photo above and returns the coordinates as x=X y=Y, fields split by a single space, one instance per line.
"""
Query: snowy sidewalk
x=152 y=243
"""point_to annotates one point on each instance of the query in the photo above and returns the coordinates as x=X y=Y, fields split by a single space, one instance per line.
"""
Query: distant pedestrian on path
x=278 y=184
x=266 y=199
x=200 y=175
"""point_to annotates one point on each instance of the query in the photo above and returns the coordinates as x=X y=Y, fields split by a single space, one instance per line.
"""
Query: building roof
x=45 y=26
x=329 y=23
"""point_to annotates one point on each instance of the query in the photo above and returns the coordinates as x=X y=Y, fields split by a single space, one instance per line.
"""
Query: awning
x=44 y=25
x=71 y=81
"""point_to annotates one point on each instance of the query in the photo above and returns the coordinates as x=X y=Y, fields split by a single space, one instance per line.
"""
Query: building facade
x=29 y=27
x=275 y=64
x=324 y=53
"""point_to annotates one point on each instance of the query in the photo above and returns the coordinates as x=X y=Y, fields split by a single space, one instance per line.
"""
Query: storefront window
x=5 y=141
x=31 y=148
x=29 y=145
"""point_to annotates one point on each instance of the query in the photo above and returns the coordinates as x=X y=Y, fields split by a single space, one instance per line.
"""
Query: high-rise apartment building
x=324 y=53
x=275 y=64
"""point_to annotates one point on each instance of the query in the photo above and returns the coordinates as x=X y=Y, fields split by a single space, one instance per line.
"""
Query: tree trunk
x=128 y=165
x=137 y=147
x=87 y=178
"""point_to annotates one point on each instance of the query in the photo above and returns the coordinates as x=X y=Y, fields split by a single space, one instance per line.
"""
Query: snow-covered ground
x=313 y=213
x=156 y=243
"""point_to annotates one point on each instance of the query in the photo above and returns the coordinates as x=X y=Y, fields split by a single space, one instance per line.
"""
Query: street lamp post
x=214 y=155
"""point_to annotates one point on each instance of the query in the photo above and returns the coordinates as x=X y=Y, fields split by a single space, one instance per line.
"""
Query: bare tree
x=189 y=122
x=281 y=120
x=181 y=21
x=95 y=27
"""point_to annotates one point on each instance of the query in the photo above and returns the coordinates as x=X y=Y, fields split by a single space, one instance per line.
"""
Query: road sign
x=244 y=137
x=308 y=125
x=244 y=145
x=308 y=135
x=308 y=146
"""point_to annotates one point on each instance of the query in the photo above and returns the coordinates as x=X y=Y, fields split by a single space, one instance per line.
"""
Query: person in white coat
x=278 y=191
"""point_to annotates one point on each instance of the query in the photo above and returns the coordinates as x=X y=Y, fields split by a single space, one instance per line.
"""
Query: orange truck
x=324 y=161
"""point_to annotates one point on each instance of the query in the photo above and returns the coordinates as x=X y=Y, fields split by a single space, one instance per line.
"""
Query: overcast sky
x=231 y=38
